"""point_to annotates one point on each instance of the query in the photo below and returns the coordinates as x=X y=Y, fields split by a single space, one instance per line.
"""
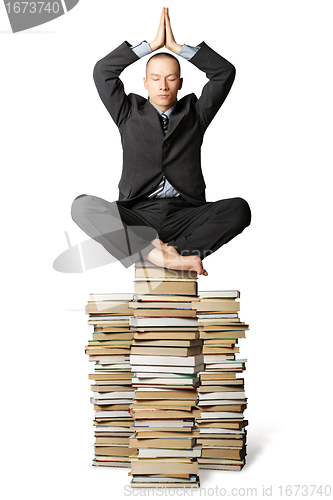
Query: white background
x=58 y=141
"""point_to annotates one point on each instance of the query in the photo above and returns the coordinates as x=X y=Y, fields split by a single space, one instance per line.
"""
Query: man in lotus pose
x=162 y=214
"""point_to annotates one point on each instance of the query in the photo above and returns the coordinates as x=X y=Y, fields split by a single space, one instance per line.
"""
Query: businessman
x=162 y=214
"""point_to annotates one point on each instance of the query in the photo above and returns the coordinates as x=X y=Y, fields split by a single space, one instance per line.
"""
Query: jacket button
x=164 y=169
x=166 y=145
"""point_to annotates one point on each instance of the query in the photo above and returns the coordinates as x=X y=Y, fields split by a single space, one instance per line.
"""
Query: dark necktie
x=165 y=123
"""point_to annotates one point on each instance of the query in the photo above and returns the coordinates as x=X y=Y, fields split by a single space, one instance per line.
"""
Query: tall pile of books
x=166 y=357
x=221 y=394
x=112 y=391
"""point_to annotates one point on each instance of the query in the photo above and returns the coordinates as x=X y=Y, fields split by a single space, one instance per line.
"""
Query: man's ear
x=145 y=82
x=180 y=83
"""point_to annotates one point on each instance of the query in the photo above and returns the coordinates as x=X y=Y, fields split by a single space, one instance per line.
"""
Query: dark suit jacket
x=147 y=153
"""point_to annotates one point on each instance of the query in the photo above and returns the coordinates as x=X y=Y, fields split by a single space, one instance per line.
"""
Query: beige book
x=112 y=440
x=219 y=350
x=224 y=388
x=167 y=434
x=167 y=351
x=221 y=425
x=167 y=343
x=188 y=313
x=223 y=453
x=154 y=466
x=220 y=443
x=222 y=306
x=113 y=336
x=172 y=334
x=179 y=394
x=166 y=287
x=121 y=451
x=180 y=442
x=156 y=414
x=110 y=376
x=231 y=335
x=217 y=375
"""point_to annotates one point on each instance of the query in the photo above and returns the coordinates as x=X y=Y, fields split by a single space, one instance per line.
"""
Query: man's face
x=163 y=82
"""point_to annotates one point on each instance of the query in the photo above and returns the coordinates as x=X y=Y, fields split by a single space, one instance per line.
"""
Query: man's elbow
x=232 y=73
x=97 y=71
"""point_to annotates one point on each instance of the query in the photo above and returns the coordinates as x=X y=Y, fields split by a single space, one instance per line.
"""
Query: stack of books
x=166 y=357
x=112 y=388
x=221 y=394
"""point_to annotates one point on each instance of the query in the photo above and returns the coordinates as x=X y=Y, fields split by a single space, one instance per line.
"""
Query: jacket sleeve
x=221 y=74
x=109 y=86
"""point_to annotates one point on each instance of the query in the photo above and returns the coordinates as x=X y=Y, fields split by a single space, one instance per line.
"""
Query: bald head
x=163 y=56
x=163 y=80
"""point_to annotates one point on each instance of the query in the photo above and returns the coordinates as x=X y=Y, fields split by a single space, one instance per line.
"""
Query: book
x=221 y=395
x=172 y=298
x=167 y=351
x=158 y=304
x=166 y=287
x=166 y=394
x=195 y=451
x=167 y=369
x=137 y=359
x=136 y=322
x=207 y=294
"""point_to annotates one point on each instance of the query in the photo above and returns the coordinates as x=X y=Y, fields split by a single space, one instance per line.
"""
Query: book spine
x=222 y=423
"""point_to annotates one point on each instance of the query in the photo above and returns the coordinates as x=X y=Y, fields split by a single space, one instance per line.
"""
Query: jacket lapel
x=175 y=118
x=149 y=112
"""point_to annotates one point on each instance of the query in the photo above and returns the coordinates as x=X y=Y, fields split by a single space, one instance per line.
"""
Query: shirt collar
x=167 y=112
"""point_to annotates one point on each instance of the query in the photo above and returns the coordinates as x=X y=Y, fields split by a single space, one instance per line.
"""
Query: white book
x=214 y=372
x=111 y=401
x=109 y=429
x=109 y=318
x=226 y=402
x=112 y=414
x=113 y=395
x=141 y=322
x=168 y=452
x=137 y=359
x=213 y=358
x=228 y=395
x=161 y=479
x=220 y=365
x=221 y=414
x=152 y=389
x=229 y=362
x=183 y=376
x=159 y=305
x=225 y=294
x=114 y=366
x=166 y=369
x=121 y=358
x=216 y=430
x=217 y=315
x=166 y=381
x=163 y=423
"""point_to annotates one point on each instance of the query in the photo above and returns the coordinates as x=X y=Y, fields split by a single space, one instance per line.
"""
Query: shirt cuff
x=142 y=49
x=187 y=51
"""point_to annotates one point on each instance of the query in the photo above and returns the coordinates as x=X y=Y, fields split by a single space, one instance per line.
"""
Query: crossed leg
x=198 y=231
x=172 y=234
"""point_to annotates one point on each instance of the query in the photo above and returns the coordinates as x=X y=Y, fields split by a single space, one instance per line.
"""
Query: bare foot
x=167 y=256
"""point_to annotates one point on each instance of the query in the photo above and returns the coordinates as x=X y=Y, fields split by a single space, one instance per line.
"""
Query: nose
x=164 y=85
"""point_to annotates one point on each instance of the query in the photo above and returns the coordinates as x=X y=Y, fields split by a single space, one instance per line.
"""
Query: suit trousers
x=193 y=230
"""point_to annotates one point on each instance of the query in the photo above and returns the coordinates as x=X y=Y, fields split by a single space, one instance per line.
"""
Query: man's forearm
x=144 y=48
